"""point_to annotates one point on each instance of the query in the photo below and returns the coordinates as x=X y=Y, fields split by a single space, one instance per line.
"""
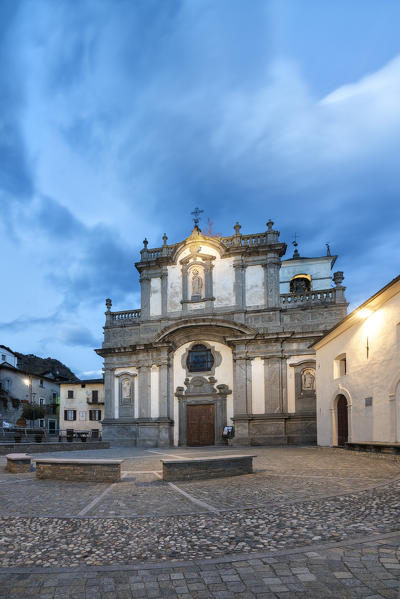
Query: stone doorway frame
x=201 y=390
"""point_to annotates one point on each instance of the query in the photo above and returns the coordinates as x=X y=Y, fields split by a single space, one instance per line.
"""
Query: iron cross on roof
x=196 y=214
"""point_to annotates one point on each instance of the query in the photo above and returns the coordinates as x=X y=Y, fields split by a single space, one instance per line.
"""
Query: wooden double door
x=200 y=424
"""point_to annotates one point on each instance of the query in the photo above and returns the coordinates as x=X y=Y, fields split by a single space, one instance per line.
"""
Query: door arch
x=342 y=420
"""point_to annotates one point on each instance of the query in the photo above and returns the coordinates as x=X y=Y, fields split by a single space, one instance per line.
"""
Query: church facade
x=222 y=338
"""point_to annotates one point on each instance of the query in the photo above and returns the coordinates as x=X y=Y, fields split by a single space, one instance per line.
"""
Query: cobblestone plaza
x=310 y=522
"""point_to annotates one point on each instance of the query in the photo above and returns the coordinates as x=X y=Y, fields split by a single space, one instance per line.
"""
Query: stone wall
x=80 y=470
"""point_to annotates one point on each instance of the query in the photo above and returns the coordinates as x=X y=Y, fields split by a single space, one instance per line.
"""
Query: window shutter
x=90 y=415
x=95 y=395
x=65 y=414
x=74 y=413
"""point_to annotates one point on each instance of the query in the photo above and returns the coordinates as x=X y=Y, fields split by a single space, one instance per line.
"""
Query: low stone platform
x=18 y=462
x=45 y=447
x=203 y=468
x=79 y=470
x=374 y=446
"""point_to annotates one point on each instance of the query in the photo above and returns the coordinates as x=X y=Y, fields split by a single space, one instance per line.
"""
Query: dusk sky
x=118 y=117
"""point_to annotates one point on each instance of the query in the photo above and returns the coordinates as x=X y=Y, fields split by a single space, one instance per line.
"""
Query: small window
x=340 y=366
x=3 y=357
x=200 y=359
x=69 y=414
x=95 y=395
x=54 y=395
x=70 y=394
x=42 y=401
x=41 y=382
x=94 y=414
x=83 y=385
x=41 y=423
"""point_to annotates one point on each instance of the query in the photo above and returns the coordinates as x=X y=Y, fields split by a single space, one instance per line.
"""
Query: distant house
x=358 y=373
x=7 y=356
x=82 y=406
x=18 y=387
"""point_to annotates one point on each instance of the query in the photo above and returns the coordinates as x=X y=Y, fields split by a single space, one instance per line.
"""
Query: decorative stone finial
x=338 y=278
x=145 y=243
x=108 y=304
x=237 y=228
x=296 y=251
x=270 y=224
x=328 y=249
x=165 y=239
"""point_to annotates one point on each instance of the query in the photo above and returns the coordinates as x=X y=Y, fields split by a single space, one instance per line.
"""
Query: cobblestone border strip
x=306 y=549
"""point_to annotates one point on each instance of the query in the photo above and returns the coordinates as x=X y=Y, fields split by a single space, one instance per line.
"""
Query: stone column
x=109 y=395
x=273 y=386
x=184 y=271
x=240 y=285
x=144 y=391
x=208 y=282
x=241 y=386
x=271 y=280
x=164 y=292
x=145 y=295
x=163 y=388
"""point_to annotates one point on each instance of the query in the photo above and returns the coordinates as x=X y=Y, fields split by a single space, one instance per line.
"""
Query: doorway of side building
x=200 y=428
x=342 y=420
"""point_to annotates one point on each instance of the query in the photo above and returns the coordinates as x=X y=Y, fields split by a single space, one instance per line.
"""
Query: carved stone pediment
x=200 y=385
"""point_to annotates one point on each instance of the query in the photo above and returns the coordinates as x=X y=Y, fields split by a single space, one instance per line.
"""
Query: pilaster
x=109 y=395
x=145 y=295
x=240 y=285
x=164 y=292
x=144 y=391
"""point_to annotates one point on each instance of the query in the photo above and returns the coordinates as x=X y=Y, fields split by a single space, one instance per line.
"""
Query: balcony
x=95 y=402
x=308 y=298
x=125 y=317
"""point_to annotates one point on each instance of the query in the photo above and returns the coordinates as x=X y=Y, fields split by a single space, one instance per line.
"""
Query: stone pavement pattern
x=239 y=527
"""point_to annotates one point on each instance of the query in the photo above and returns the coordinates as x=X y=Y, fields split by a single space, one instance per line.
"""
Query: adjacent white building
x=358 y=373
x=82 y=406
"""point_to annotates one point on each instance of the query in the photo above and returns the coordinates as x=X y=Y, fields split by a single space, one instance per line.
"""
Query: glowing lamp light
x=364 y=313
x=26 y=381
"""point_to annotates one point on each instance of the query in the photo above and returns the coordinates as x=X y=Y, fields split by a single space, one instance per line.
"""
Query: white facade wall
x=174 y=288
x=224 y=280
x=258 y=386
x=154 y=392
x=223 y=374
x=319 y=270
x=376 y=376
x=255 y=286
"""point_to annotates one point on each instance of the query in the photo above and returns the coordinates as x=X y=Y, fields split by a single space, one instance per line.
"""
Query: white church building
x=358 y=373
x=222 y=337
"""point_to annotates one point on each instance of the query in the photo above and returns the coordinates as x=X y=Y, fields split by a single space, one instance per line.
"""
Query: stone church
x=222 y=338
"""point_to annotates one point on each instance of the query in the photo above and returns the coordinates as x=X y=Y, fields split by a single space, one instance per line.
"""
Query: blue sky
x=118 y=117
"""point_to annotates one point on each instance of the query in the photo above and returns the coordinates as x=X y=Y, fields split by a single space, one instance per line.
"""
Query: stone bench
x=202 y=468
x=18 y=462
x=374 y=446
x=80 y=470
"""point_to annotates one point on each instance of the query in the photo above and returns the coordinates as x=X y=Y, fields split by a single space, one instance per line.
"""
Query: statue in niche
x=197 y=283
x=308 y=380
x=126 y=391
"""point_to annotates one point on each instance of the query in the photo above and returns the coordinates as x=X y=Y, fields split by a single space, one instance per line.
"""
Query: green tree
x=32 y=412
